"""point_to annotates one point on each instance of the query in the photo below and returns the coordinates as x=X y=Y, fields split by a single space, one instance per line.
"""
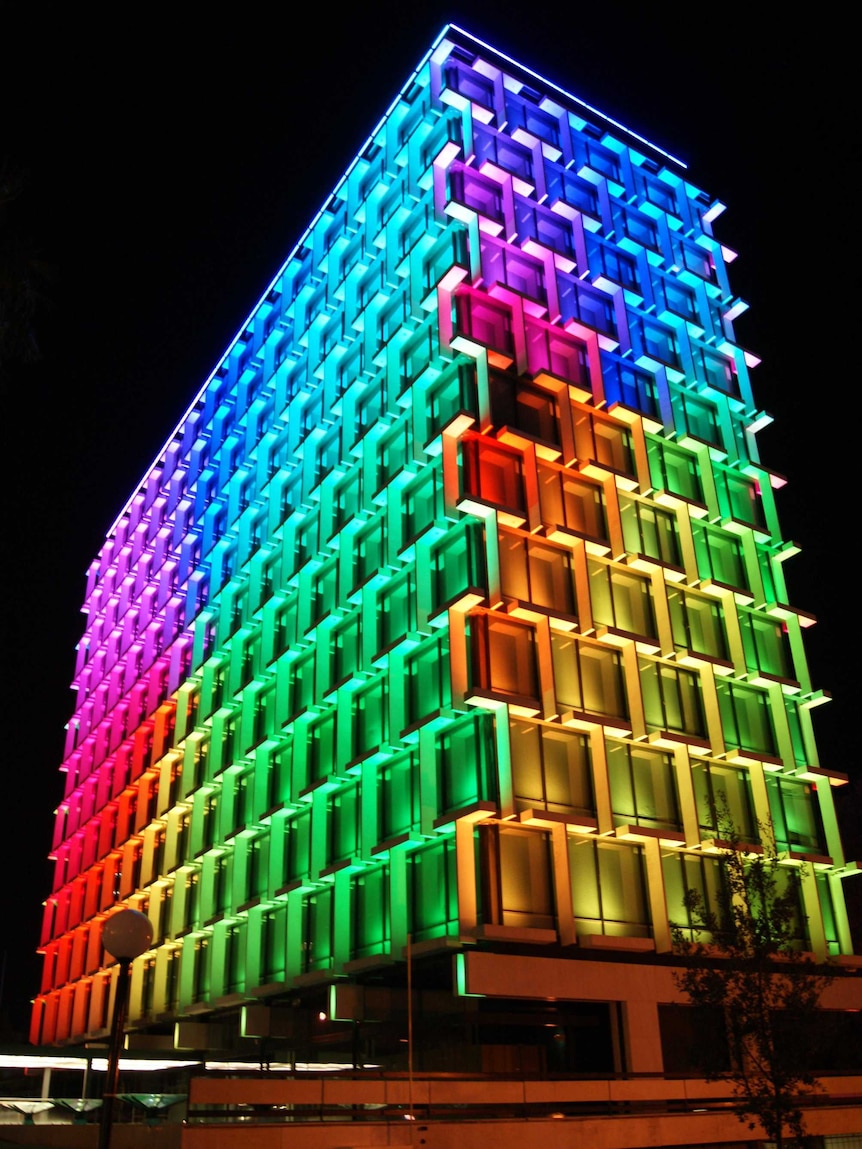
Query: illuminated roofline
x=293 y=251
x=562 y=92
x=448 y=28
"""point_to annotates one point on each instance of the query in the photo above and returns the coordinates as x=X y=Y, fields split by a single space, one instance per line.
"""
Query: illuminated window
x=243 y=798
x=270 y=577
x=552 y=349
x=278 y=773
x=723 y=792
x=264 y=714
x=297 y=846
x=739 y=497
x=392 y=317
x=273 y=944
x=717 y=371
x=504 y=657
x=221 y=878
x=453 y=392
x=766 y=644
x=485 y=321
x=450 y=248
x=672 y=698
x=674 y=469
x=343 y=822
x=324 y=590
x=457 y=563
x=650 y=531
x=466 y=763
x=697 y=259
x=317 y=931
x=350 y=367
x=301 y=683
x=284 y=628
x=396 y=609
x=417 y=354
x=746 y=717
x=481 y=193
x=201 y=972
x=609 y=261
x=369 y=553
x=795 y=815
x=685 y=872
x=544 y=226
x=528 y=409
x=830 y=923
x=588 y=677
x=517 y=886
x=370 y=714
x=621 y=599
x=572 y=502
x=655 y=340
x=608 y=889
x=514 y=268
x=422 y=503
x=369 y=896
x=563 y=184
x=347 y=498
x=536 y=572
x=581 y=301
x=393 y=451
x=398 y=796
x=327 y=453
x=643 y=787
x=551 y=769
x=719 y=555
x=497 y=147
x=427 y=679
x=494 y=473
x=321 y=747
x=346 y=648
x=234 y=958
x=697 y=623
x=433 y=891
x=675 y=296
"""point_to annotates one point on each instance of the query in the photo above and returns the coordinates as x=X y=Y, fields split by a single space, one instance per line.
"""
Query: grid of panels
x=465 y=551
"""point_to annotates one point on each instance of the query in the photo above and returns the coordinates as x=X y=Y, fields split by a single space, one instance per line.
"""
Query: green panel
x=466 y=762
x=432 y=888
x=369 y=898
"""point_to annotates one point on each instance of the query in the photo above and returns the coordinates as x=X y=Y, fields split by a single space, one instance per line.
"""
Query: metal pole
x=112 y=1076
x=410 y=1028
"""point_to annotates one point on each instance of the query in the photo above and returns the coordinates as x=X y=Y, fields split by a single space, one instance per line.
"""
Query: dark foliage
x=747 y=967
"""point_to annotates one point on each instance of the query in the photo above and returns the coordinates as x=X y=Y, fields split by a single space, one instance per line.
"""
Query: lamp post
x=126 y=935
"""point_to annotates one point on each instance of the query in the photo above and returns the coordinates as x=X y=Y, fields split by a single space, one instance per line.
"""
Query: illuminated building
x=447 y=619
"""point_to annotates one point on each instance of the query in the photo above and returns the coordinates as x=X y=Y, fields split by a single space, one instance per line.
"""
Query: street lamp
x=126 y=935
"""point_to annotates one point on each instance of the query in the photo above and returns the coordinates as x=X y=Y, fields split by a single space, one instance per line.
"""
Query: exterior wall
x=454 y=605
x=635 y=1113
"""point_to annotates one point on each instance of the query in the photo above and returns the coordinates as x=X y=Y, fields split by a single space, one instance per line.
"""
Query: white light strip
x=568 y=95
x=143 y=1065
x=100 y=1064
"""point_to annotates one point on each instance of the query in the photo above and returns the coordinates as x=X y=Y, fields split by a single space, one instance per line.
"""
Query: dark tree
x=747 y=966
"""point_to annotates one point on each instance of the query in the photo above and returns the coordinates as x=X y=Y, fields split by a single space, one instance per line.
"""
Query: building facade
x=447 y=623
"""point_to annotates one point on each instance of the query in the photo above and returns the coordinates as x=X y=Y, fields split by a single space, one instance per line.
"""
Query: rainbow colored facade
x=452 y=613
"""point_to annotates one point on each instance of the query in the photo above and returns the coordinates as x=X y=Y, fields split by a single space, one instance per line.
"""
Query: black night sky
x=174 y=156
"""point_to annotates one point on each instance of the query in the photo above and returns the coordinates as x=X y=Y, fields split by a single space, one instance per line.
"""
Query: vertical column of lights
x=466 y=535
x=636 y=631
